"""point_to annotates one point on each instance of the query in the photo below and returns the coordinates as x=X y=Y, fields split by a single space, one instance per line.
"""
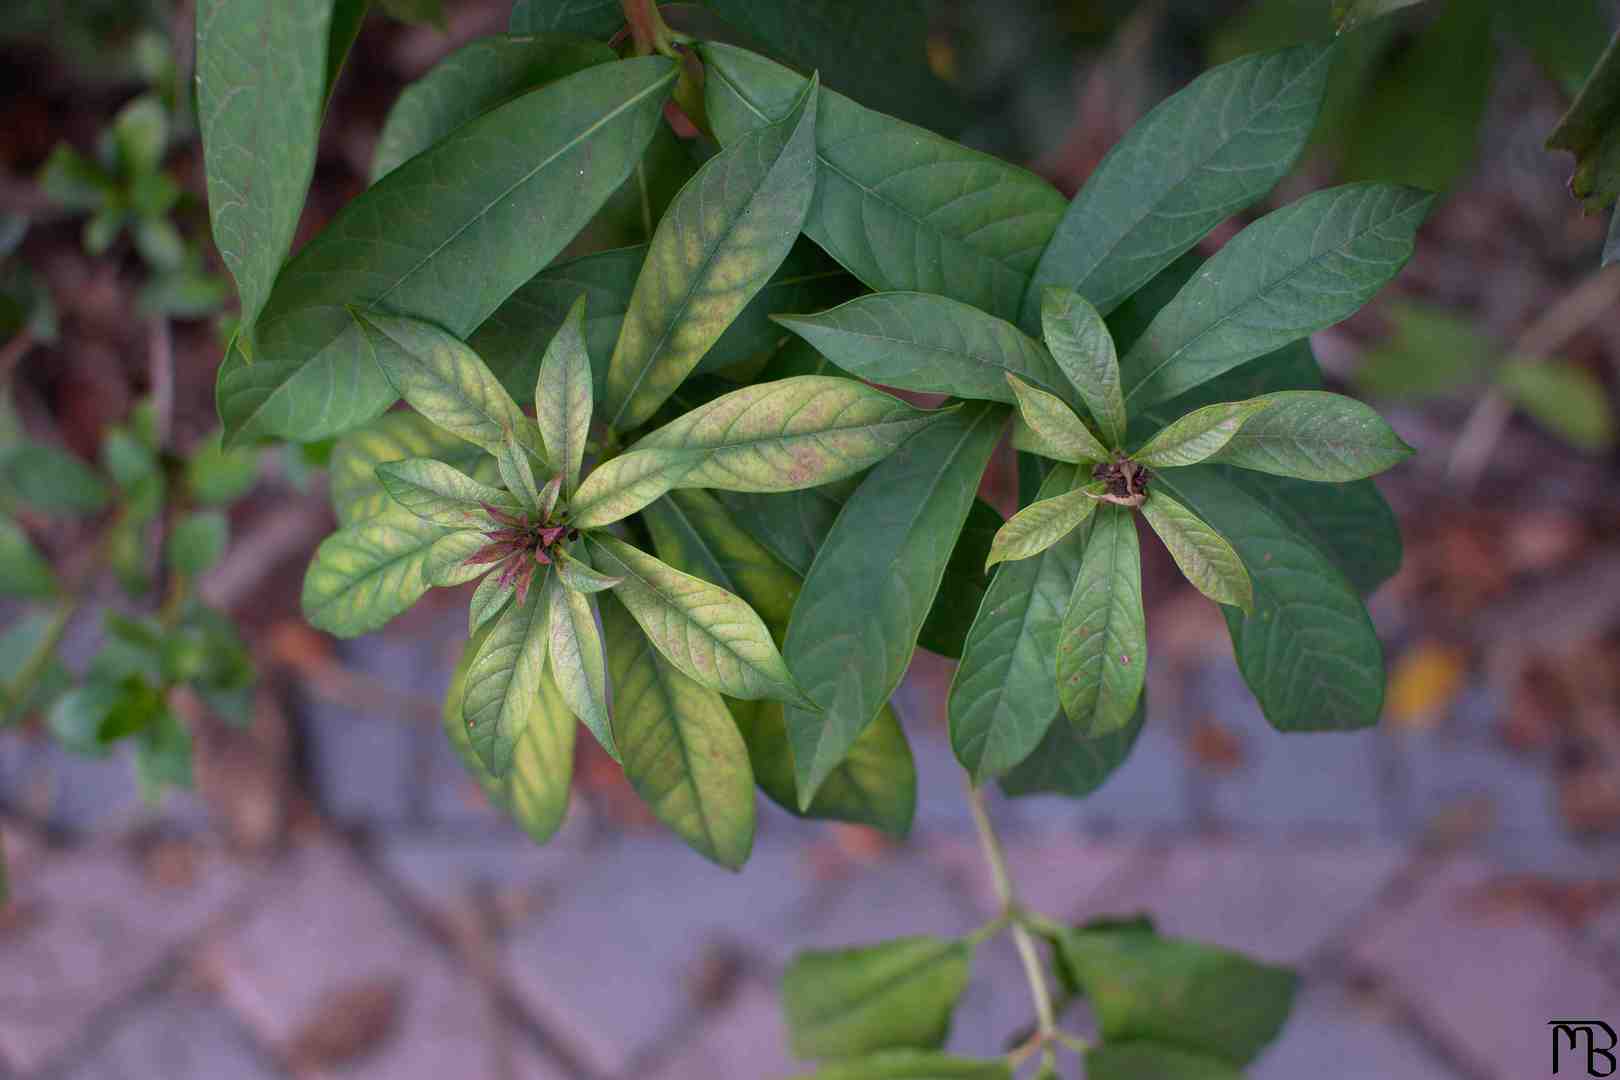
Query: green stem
x=1007 y=895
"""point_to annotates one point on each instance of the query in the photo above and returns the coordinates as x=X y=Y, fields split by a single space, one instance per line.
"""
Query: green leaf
x=1203 y=155
x=1004 y=694
x=1178 y=993
x=1062 y=435
x=77 y=716
x=1309 y=652
x=789 y=434
x=503 y=683
x=126 y=458
x=850 y=1002
x=1197 y=435
x=215 y=475
x=502 y=194
x=577 y=664
x=913 y=1065
x=1433 y=352
x=430 y=12
x=74 y=181
x=1296 y=270
x=31 y=673
x=694 y=533
x=1084 y=350
x=681 y=750
x=1204 y=556
x=897 y=206
x=707 y=633
x=792 y=525
x=1149 y=1061
x=722 y=238
x=873 y=582
x=488 y=600
x=368 y=572
x=261 y=87
x=622 y=485
x=961 y=590
x=347 y=17
x=1070 y=763
x=1351 y=13
x=51 y=481
x=930 y=344
x=446 y=565
x=23 y=570
x=1043 y=523
x=1563 y=398
x=163 y=757
x=198 y=541
x=576 y=574
x=1314 y=435
x=534 y=791
x=468 y=83
x=590 y=18
x=357 y=491
x=512 y=461
x=563 y=397
x=1102 y=648
x=437 y=493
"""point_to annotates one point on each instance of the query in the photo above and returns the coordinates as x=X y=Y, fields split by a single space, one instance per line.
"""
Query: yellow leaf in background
x=1426 y=680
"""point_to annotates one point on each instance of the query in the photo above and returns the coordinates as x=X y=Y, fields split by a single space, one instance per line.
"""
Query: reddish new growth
x=522 y=545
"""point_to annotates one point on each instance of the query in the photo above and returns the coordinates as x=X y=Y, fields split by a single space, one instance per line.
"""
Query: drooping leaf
x=1061 y=434
x=1102 y=647
x=707 y=633
x=931 y=344
x=436 y=492
x=1309 y=652
x=469 y=82
x=873 y=582
x=789 y=434
x=1563 y=398
x=914 y=1065
x=682 y=752
x=961 y=590
x=51 y=481
x=261 y=87
x=368 y=572
x=503 y=682
x=563 y=398
x=1004 y=694
x=899 y=207
x=1198 y=435
x=589 y=18
x=1294 y=271
x=502 y=194
x=720 y=241
x=1184 y=994
x=850 y=1002
x=198 y=540
x=1314 y=435
x=1204 y=556
x=1151 y=1061
x=1083 y=348
x=622 y=485
x=1204 y=154
x=1043 y=523
x=23 y=570
x=1070 y=763
x=578 y=666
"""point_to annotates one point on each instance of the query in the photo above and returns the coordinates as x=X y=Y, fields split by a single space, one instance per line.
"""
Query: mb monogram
x=1573 y=1039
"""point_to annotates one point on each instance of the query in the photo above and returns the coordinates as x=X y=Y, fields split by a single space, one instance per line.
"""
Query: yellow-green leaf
x=850 y=1002
x=563 y=397
x=438 y=493
x=487 y=601
x=1082 y=346
x=357 y=493
x=366 y=573
x=1203 y=554
x=1197 y=435
x=577 y=664
x=503 y=682
x=1102 y=648
x=619 y=487
x=1061 y=434
x=575 y=573
x=446 y=564
x=1041 y=524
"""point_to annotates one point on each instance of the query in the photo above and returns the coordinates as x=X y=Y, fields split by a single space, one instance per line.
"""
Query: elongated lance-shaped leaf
x=1102 y=648
x=472 y=80
x=488 y=600
x=443 y=380
x=930 y=344
x=789 y=434
x=794 y=524
x=694 y=533
x=1314 y=435
x=1073 y=764
x=899 y=207
x=563 y=398
x=578 y=666
x=436 y=492
x=1061 y=434
x=1293 y=272
x=1203 y=554
x=1004 y=693
x=450 y=561
x=709 y=634
x=503 y=194
x=1204 y=154
x=1082 y=346
x=517 y=474
x=357 y=490
x=851 y=1002
x=576 y=573
x=873 y=582
x=504 y=680
x=1043 y=523
x=717 y=245
x=620 y=486
x=261 y=87
x=1309 y=652
x=1198 y=435
x=681 y=751
x=366 y=573
x=534 y=791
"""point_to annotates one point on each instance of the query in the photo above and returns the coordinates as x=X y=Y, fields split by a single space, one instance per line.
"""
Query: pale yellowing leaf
x=1063 y=434
x=620 y=486
x=577 y=664
x=563 y=396
x=1203 y=554
x=1041 y=524
x=442 y=495
x=1200 y=434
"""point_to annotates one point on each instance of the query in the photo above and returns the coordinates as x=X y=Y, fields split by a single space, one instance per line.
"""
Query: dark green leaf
x=1314 y=435
x=898 y=207
x=1102 y=647
x=1083 y=348
x=1350 y=13
x=430 y=12
x=23 y=570
x=197 y=542
x=503 y=684
x=163 y=756
x=261 y=86
x=469 y=82
x=1149 y=1061
x=1295 y=271
x=51 y=481
x=945 y=631
x=872 y=584
x=792 y=525
x=503 y=193
x=851 y=1002
x=1201 y=156
x=1070 y=763
x=590 y=18
x=76 y=718
x=368 y=572
x=347 y=17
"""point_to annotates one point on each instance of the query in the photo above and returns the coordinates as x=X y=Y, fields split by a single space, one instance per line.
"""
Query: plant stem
x=1006 y=894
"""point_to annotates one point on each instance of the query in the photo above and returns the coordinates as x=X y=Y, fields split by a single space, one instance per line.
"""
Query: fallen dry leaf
x=349 y=1023
x=1215 y=748
x=1571 y=903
